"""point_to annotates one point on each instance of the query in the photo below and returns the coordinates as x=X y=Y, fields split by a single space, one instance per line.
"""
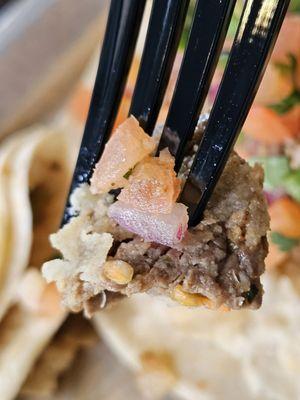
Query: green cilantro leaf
x=128 y=173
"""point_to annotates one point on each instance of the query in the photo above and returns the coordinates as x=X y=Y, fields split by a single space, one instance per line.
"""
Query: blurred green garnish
x=187 y=25
x=284 y=243
x=276 y=168
x=287 y=104
x=291 y=184
x=279 y=175
x=288 y=68
x=295 y=6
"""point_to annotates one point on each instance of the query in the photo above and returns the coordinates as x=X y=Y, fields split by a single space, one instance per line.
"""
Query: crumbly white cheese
x=84 y=246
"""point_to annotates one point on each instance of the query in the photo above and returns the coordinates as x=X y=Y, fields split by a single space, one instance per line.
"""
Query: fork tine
x=257 y=32
x=165 y=26
x=210 y=23
x=118 y=47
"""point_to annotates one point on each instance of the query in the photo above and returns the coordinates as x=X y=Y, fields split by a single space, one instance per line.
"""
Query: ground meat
x=222 y=258
x=219 y=262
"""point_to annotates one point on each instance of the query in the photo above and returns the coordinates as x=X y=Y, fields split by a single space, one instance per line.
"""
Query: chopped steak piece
x=218 y=263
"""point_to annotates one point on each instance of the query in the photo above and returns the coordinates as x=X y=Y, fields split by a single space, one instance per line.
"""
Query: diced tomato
x=265 y=125
x=291 y=120
x=127 y=146
x=153 y=186
x=288 y=44
x=274 y=87
x=285 y=217
x=288 y=39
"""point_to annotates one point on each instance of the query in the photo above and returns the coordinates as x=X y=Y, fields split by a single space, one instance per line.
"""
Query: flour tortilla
x=238 y=355
x=8 y=150
x=34 y=167
x=32 y=147
x=23 y=336
x=75 y=335
x=5 y=152
x=18 y=233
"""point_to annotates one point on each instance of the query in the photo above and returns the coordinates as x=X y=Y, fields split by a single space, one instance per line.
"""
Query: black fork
x=255 y=38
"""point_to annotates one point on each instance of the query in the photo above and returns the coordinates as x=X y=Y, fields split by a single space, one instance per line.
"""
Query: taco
x=35 y=170
x=31 y=156
x=196 y=354
x=23 y=336
x=4 y=211
x=15 y=257
x=75 y=334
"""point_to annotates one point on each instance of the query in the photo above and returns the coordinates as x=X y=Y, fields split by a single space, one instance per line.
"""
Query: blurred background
x=49 y=50
x=44 y=47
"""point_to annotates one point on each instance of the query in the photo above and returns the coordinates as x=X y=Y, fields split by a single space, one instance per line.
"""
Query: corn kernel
x=118 y=271
x=189 y=299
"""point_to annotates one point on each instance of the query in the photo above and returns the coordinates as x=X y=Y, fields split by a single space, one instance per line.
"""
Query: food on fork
x=153 y=185
x=165 y=229
x=139 y=242
x=126 y=148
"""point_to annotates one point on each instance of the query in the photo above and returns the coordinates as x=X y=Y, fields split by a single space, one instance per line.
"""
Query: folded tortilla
x=4 y=211
x=75 y=334
x=35 y=169
x=29 y=158
x=196 y=354
x=22 y=338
